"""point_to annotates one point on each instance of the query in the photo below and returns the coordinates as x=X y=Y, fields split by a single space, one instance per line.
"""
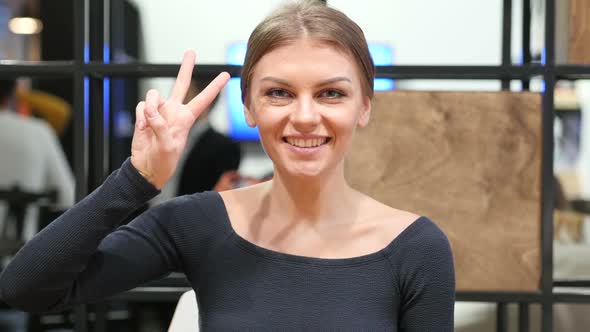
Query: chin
x=303 y=172
x=306 y=175
x=305 y=169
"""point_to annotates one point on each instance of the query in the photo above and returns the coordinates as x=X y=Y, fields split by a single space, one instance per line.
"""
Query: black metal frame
x=89 y=164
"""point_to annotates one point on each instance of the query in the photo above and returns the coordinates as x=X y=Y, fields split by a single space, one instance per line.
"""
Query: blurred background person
x=32 y=158
x=53 y=109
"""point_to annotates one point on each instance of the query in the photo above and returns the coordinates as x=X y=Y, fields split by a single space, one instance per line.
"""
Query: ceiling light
x=25 y=25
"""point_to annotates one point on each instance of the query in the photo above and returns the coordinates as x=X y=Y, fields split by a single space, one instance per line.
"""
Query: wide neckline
x=271 y=254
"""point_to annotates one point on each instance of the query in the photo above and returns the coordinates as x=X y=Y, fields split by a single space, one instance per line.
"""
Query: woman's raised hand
x=162 y=126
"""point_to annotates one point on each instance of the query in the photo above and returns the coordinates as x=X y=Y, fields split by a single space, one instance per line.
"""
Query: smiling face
x=307 y=99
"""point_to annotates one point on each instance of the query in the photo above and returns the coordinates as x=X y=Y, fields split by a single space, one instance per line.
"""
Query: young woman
x=303 y=251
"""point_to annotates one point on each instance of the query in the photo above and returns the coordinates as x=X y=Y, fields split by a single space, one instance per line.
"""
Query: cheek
x=268 y=122
x=346 y=121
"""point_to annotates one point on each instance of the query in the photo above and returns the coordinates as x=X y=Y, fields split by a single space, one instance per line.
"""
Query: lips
x=306 y=142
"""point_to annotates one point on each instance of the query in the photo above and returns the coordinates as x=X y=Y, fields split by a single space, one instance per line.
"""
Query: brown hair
x=312 y=19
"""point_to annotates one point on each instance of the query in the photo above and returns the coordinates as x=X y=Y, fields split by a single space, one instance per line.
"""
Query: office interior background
x=441 y=46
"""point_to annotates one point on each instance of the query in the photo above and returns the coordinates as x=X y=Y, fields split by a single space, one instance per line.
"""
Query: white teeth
x=306 y=143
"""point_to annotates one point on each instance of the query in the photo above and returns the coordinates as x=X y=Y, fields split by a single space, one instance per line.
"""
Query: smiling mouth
x=308 y=142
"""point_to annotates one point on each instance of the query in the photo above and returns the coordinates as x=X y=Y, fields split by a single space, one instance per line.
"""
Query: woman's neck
x=315 y=201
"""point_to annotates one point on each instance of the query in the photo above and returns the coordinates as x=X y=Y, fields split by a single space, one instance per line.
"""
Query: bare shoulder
x=389 y=219
x=243 y=196
x=378 y=210
x=239 y=204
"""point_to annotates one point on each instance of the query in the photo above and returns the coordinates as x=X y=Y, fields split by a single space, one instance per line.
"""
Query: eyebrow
x=326 y=82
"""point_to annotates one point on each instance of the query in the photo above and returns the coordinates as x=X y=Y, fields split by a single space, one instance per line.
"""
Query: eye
x=331 y=94
x=277 y=93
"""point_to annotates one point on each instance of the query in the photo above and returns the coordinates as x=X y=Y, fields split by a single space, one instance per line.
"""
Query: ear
x=365 y=113
x=250 y=120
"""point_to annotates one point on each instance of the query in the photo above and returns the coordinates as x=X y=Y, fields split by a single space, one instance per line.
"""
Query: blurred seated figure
x=53 y=109
x=32 y=159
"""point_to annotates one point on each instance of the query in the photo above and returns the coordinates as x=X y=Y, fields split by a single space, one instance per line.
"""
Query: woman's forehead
x=306 y=57
x=307 y=45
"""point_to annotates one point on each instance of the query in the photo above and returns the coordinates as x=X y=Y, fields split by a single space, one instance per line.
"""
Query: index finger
x=183 y=80
x=206 y=97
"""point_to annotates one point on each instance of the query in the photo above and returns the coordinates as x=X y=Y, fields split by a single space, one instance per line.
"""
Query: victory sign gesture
x=162 y=126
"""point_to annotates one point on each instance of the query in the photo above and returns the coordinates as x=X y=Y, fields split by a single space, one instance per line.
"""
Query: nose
x=305 y=116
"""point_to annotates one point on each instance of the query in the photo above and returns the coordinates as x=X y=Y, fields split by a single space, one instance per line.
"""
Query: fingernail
x=141 y=124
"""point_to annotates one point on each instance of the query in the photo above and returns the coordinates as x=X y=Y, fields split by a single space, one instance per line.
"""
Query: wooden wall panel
x=579 y=32
x=471 y=161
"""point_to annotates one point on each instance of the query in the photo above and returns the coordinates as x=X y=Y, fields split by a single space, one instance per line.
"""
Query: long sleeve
x=79 y=259
x=427 y=283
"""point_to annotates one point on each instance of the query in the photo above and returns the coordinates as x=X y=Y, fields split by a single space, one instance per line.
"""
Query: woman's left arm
x=427 y=284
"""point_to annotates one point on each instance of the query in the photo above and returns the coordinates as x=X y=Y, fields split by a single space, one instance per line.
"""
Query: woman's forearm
x=42 y=276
